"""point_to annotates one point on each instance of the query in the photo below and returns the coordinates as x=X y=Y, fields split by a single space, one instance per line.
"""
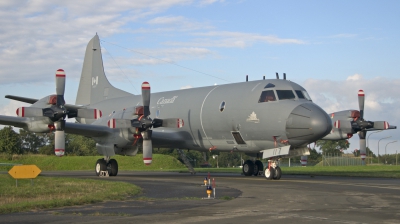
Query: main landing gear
x=106 y=167
x=252 y=168
x=272 y=171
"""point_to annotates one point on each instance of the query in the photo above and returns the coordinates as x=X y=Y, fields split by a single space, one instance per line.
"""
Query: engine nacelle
x=39 y=125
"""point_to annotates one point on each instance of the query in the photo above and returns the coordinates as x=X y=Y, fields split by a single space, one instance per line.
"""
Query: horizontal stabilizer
x=22 y=99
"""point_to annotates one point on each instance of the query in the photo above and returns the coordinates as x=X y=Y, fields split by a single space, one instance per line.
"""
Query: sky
x=331 y=48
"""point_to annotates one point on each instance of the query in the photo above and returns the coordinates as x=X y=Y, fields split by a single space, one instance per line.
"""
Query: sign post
x=24 y=172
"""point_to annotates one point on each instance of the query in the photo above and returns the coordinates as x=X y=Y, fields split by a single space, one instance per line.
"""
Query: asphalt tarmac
x=176 y=198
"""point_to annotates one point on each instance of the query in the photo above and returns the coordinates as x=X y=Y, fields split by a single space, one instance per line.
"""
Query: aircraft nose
x=308 y=123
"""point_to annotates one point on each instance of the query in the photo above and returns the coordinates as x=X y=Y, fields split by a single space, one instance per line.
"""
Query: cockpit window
x=267 y=96
x=269 y=85
x=299 y=94
x=285 y=94
x=306 y=95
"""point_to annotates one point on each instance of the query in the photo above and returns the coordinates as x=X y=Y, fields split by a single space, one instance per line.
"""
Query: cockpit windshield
x=285 y=94
x=267 y=96
x=302 y=94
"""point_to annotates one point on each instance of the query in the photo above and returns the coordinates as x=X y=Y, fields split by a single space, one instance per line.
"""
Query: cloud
x=38 y=37
x=233 y=39
x=11 y=107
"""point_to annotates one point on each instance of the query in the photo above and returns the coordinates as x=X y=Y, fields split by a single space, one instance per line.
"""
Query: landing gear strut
x=110 y=166
x=273 y=171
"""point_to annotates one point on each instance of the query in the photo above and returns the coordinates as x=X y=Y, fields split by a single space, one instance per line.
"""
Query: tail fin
x=94 y=86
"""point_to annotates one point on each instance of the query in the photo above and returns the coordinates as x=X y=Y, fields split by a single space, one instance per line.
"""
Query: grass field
x=51 y=192
x=53 y=163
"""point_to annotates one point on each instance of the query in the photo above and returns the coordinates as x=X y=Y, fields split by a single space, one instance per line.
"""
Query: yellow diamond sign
x=24 y=172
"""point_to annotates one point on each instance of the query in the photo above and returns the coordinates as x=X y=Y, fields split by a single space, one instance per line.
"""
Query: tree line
x=25 y=142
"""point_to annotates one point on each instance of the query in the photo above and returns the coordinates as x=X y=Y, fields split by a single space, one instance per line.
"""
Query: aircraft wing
x=87 y=130
x=19 y=122
x=73 y=128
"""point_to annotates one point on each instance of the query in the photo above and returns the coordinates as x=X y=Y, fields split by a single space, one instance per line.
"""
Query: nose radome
x=308 y=122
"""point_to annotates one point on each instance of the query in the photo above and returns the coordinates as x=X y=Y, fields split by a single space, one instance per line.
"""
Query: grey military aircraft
x=268 y=118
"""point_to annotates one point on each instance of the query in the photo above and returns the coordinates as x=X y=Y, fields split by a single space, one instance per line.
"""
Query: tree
x=332 y=147
x=10 y=142
x=79 y=145
x=31 y=142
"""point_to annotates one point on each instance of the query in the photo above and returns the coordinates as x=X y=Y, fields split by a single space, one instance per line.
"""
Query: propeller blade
x=361 y=99
x=59 y=142
x=29 y=112
x=60 y=86
x=363 y=144
x=146 y=98
x=147 y=147
x=88 y=113
x=344 y=125
x=381 y=125
x=119 y=123
x=168 y=123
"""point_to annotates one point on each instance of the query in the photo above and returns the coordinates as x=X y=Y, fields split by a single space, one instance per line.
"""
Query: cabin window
x=285 y=94
x=267 y=96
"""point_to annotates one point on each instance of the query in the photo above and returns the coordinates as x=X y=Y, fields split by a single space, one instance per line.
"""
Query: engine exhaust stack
x=247 y=78
x=284 y=76
x=277 y=75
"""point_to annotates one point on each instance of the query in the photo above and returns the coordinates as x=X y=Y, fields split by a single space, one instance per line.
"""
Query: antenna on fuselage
x=284 y=76
x=247 y=78
x=277 y=75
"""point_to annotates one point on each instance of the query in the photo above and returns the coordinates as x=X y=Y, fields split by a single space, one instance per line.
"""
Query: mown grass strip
x=52 y=192
x=54 y=163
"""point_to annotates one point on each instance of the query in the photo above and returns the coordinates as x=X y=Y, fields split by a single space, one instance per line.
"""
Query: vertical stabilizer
x=94 y=86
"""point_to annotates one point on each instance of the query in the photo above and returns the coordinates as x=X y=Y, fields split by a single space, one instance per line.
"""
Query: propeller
x=143 y=124
x=360 y=125
x=57 y=113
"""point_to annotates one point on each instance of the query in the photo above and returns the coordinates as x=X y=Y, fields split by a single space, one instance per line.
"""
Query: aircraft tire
x=269 y=173
x=278 y=173
x=100 y=166
x=248 y=168
x=112 y=167
x=258 y=166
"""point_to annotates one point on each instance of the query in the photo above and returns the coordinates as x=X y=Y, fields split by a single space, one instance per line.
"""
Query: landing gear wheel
x=100 y=166
x=278 y=173
x=248 y=168
x=269 y=173
x=112 y=167
x=258 y=166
